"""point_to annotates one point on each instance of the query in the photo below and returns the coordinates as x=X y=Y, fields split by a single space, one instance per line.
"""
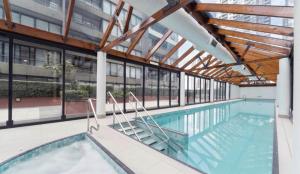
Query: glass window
x=164 y=86
x=202 y=90
x=197 y=90
x=134 y=84
x=16 y=17
x=3 y=80
x=186 y=86
x=53 y=28
x=151 y=87
x=106 y=7
x=115 y=84
x=191 y=98
x=80 y=83
x=174 y=88
x=36 y=93
x=42 y=25
x=1 y=13
x=207 y=93
x=26 y=20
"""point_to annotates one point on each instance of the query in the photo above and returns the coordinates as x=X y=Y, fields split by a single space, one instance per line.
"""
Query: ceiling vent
x=213 y=42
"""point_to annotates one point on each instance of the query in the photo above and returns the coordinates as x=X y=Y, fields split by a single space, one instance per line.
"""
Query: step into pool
x=228 y=138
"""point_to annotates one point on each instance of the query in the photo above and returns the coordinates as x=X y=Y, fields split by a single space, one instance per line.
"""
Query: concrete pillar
x=283 y=86
x=101 y=84
x=277 y=91
x=182 y=89
x=296 y=92
x=211 y=90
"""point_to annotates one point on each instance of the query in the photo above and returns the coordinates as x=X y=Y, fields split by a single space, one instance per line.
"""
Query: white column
x=227 y=91
x=182 y=88
x=211 y=90
x=296 y=92
x=277 y=91
x=283 y=86
x=101 y=84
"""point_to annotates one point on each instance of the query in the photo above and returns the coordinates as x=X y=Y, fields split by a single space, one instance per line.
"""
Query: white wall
x=234 y=92
x=265 y=92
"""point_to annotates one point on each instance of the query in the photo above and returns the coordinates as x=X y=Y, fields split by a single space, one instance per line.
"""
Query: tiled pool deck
x=138 y=157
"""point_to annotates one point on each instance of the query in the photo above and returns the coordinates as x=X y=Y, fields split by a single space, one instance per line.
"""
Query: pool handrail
x=149 y=116
x=115 y=103
x=91 y=106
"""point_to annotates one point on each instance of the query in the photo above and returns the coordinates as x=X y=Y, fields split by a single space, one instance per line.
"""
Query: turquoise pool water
x=229 y=138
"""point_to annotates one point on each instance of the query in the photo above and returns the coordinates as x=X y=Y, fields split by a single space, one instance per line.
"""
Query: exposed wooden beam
x=262 y=39
x=209 y=62
x=266 y=47
x=286 y=31
x=157 y=45
x=183 y=56
x=209 y=70
x=259 y=10
x=247 y=62
x=157 y=16
x=135 y=41
x=69 y=18
x=238 y=76
x=128 y=18
x=111 y=24
x=242 y=48
x=200 y=62
x=193 y=59
x=221 y=71
x=173 y=50
x=8 y=13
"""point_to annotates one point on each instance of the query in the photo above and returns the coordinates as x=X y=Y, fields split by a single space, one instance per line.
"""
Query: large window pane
x=80 y=83
x=151 y=87
x=202 y=90
x=164 y=86
x=174 y=88
x=3 y=80
x=197 y=90
x=186 y=86
x=134 y=83
x=207 y=95
x=114 y=83
x=191 y=99
x=36 y=89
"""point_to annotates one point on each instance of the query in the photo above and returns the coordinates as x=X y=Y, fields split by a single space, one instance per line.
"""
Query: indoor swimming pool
x=229 y=138
x=72 y=155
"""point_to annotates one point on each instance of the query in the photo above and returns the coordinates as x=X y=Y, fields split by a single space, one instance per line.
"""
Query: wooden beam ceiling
x=285 y=31
x=259 y=10
x=157 y=16
x=193 y=59
x=173 y=50
x=69 y=18
x=257 y=38
x=135 y=41
x=8 y=13
x=128 y=19
x=111 y=24
x=157 y=45
x=262 y=46
x=183 y=56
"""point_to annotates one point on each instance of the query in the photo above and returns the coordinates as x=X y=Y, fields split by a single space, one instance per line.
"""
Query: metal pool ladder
x=137 y=114
x=122 y=115
x=90 y=128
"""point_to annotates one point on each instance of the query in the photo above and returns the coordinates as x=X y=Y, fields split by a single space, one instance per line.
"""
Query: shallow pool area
x=72 y=155
x=228 y=138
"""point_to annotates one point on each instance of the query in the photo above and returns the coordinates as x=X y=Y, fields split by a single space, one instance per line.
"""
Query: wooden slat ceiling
x=259 y=54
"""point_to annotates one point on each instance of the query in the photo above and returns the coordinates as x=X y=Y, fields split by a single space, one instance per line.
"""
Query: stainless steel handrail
x=138 y=114
x=140 y=104
x=91 y=106
x=122 y=113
